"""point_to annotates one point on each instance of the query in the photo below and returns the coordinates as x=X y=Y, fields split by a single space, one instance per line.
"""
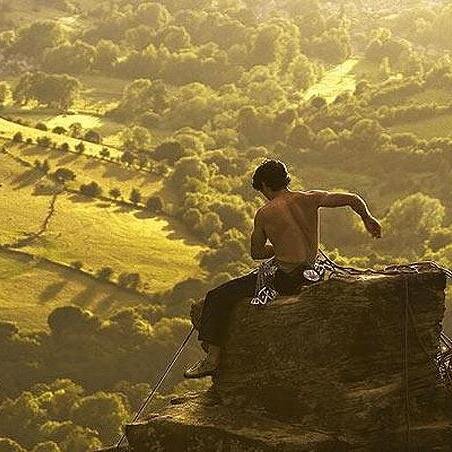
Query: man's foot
x=202 y=368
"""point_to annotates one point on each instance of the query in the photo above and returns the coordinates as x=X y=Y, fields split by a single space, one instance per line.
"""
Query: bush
x=59 y=130
x=115 y=192
x=29 y=140
x=77 y=264
x=104 y=273
x=18 y=137
x=92 y=189
x=154 y=204
x=80 y=147
x=41 y=126
x=64 y=175
x=44 y=141
x=65 y=147
x=135 y=196
x=131 y=280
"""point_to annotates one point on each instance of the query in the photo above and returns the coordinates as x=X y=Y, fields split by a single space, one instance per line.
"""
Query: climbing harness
x=325 y=266
x=265 y=292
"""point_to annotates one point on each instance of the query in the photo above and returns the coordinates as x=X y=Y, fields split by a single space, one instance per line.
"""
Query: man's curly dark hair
x=273 y=173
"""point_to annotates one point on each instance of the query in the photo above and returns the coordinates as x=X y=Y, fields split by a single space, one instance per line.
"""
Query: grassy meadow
x=31 y=289
x=97 y=233
x=185 y=99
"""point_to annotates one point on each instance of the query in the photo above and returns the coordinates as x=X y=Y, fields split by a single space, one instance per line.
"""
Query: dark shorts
x=219 y=301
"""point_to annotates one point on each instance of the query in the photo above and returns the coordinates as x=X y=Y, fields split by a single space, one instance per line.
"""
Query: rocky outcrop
x=346 y=364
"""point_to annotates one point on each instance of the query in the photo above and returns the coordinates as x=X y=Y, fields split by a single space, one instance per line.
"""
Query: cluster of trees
x=53 y=90
x=181 y=44
x=82 y=398
x=226 y=89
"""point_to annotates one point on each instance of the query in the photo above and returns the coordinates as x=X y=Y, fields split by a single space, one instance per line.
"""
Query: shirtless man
x=290 y=222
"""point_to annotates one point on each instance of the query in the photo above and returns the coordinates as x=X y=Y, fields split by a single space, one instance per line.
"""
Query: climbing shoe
x=202 y=368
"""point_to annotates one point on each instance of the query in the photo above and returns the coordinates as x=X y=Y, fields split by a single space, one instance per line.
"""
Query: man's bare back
x=290 y=221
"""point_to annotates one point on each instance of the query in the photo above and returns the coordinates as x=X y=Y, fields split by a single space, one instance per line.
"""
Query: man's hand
x=372 y=226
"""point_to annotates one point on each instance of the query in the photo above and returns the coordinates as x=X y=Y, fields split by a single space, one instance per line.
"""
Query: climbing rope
x=323 y=262
x=442 y=361
x=157 y=386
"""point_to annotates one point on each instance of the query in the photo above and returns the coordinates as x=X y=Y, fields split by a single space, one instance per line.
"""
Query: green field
x=8 y=129
x=96 y=233
x=100 y=234
x=107 y=174
x=440 y=126
x=30 y=290
x=334 y=82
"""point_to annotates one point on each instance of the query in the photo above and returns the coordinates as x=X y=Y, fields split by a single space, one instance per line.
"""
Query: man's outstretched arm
x=353 y=200
x=259 y=247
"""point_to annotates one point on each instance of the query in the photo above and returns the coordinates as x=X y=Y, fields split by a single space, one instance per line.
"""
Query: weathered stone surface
x=347 y=364
x=199 y=422
x=333 y=354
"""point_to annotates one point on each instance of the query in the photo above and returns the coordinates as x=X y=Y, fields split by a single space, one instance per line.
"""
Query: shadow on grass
x=87 y=295
x=51 y=291
x=75 y=197
x=118 y=173
x=92 y=164
x=33 y=151
x=27 y=178
x=67 y=158
x=105 y=305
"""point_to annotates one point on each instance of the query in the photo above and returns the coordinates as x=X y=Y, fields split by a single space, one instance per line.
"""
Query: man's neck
x=277 y=194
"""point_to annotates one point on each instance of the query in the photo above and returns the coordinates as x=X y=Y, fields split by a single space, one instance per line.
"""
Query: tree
x=33 y=39
x=70 y=58
x=107 y=53
x=411 y=221
x=153 y=14
x=59 y=130
x=21 y=418
x=18 y=137
x=128 y=157
x=102 y=412
x=92 y=189
x=135 y=196
x=105 y=153
x=80 y=147
x=168 y=150
x=154 y=204
x=104 y=273
x=53 y=90
x=318 y=102
x=65 y=147
x=5 y=92
x=45 y=167
x=72 y=320
x=64 y=175
x=115 y=193
x=136 y=137
x=44 y=141
x=93 y=136
x=75 y=129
